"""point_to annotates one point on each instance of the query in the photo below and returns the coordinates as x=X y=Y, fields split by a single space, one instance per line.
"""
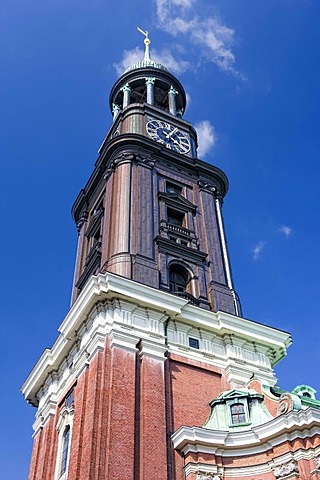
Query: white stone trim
x=154 y=350
x=253 y=470
x=124 y=340
x=65 y=419
x=110 y=304
x=258 y=439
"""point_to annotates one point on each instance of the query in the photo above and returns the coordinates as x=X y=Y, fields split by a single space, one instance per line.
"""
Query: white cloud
x=287 y=231
x=129 y=57
x=215 y=39
x=165 y=57
x=257 y=250
x=206 y=137
x=183 y=3
x=188 y=98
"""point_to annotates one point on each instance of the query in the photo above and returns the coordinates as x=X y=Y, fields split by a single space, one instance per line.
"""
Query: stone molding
x=208 y=476
x=211 y=188
x=152 y=349
x=257 y=439
x=251 y=471
x=286 y=469
x=111 y=303
x=66 y=418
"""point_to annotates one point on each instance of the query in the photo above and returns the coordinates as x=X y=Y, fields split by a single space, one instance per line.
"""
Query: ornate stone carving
x=146 y=161
x=82 y=220
x=282 y=408
x=210 y=188
x=317 y=463
x=123 y=158
x=285 y=404
x=150 y=80
x=286 y=469
x=208 y=476
x=116 y=133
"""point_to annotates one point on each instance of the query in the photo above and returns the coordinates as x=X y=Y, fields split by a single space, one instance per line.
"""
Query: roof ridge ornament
x=147 y=62
x=147 y=42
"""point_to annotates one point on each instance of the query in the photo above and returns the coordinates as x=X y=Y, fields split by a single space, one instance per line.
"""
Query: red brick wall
x=125 y=410
x=44 y=452
x=193 y=386
x=153 y=452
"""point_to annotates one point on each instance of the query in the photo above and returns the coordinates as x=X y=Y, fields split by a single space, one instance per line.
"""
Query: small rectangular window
x=238 y=413
x=172 y=188
x=193 y=342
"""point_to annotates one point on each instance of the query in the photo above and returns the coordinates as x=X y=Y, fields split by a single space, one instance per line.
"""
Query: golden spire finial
x=147 y=42
x=146 y=34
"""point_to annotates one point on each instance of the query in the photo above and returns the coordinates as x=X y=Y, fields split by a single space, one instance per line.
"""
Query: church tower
x=155 y=374
x=151 y=211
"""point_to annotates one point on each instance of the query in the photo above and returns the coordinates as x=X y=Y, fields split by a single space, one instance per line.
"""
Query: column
x=150 y=90
x=152 y=411
x=126 y=95
x=80 y=257
x=172 y=100
x=119 y=235
x=225 y=254
x=121 y=456
x=115 y=110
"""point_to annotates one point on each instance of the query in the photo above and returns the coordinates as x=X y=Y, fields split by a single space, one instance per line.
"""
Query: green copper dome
x=147 y=62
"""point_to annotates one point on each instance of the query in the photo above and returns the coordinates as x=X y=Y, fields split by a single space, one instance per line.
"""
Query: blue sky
x=250 y=69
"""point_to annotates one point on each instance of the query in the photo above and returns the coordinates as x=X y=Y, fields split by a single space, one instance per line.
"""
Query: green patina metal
x=255 y=411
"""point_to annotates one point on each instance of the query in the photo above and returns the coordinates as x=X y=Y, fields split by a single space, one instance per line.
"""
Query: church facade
x=155 y=374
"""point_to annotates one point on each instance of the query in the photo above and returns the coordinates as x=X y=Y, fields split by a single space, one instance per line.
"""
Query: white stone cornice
x=123 y=340
x=152 y=349
x=302 y=424
x=226 y=324
x=109 y=302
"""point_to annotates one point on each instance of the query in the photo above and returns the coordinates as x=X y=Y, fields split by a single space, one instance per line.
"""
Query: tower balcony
x=178 y=234
x=187 y=296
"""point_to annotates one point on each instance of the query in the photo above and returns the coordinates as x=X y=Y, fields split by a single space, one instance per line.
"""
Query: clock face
x=169 y=136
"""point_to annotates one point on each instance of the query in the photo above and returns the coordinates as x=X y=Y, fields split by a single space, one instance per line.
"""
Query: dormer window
x=238 y=414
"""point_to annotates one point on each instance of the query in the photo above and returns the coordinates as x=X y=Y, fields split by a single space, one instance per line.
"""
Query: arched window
x=237 y=413
x=178 y=278
x=65 y=450
x=306 y=394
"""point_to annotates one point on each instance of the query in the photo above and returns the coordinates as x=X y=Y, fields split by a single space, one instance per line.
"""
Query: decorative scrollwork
x=123 y=157
x=282 y=408
x=208 y=476
x=285 y=469
x=82 y=220
x=285 y=404
x=146 y=161
x=210 y=188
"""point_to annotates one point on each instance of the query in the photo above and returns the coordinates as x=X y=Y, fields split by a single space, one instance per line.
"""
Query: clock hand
x=172 y=133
